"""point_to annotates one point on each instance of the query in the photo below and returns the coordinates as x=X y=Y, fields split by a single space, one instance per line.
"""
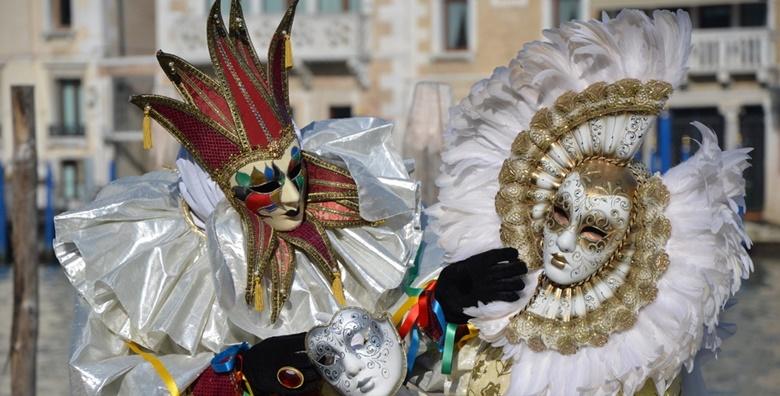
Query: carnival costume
x=260 y=233
x=628 y=270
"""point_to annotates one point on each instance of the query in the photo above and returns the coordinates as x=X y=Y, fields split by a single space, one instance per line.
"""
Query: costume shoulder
x=140 y=263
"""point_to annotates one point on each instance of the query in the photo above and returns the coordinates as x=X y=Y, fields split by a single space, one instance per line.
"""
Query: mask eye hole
x=560 y=216
x=593 y=234
x=358 y=341
x=327 y=359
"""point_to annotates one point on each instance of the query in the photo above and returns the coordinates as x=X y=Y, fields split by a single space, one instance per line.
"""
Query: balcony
x=723 y=53
x=67 y=135
x=315 y=38
x=60 y=130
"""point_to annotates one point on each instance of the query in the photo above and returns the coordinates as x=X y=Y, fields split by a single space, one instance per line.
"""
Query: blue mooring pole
x=665 y=140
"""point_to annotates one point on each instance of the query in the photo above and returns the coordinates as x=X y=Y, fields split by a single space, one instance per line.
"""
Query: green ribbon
x=449 y=348
x=413 y=272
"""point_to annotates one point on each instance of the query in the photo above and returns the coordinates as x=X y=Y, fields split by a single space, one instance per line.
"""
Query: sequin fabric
x=213 y=149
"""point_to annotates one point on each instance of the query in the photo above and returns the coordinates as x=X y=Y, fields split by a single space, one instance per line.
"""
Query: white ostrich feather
x=484 y=124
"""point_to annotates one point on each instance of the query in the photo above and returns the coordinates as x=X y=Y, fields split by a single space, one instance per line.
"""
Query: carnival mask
x=275 y=189
x=588 y=220
x=358 y=354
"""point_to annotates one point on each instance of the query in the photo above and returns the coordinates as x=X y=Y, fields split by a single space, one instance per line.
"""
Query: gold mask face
x=588 y=220
x=275 y=190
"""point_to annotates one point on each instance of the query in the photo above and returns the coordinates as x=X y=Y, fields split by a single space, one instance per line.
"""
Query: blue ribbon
x=224 y=361
x=439 y=312
x=411 y=354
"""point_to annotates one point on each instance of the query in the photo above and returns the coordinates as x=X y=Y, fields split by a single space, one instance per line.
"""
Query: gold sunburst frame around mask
x=605 y=123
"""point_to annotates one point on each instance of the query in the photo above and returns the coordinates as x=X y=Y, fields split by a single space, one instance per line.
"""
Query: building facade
x=732 y=87
x=76 y=55
x=357 y=57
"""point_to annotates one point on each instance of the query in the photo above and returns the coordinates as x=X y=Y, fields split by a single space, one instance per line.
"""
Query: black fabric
x=495 y=275
x=263 y=361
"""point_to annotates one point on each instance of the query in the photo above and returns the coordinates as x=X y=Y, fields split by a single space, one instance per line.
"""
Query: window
x=338 y=6
x=61 y=17
x=752 y=14
x=456 y=25
x=127 y=117
x=69 y=108
x=715 y=16
x=71 y=180
x=565 y=11
x=340 y=111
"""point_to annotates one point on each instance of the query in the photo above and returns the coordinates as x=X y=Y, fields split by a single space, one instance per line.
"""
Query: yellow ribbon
x=473 y=332
x=398 y=316
x=162 y=372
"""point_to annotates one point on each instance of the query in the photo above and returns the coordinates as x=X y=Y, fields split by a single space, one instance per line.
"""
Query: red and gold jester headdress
x=238 y=127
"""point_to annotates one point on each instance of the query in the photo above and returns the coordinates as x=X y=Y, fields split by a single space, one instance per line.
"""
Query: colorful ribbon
x=224 y=361
x=421 y=311
x=411 y=355
x=158 y=366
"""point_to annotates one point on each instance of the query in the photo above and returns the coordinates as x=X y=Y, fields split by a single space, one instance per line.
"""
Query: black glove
x=262 y=362
x=489 y=276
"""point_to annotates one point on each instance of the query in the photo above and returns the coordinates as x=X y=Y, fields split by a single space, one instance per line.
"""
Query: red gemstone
x=289 y=377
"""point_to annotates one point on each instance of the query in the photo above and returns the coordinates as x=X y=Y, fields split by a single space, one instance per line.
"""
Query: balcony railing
x=59 y=130
x=725 y=52
x=317 y=37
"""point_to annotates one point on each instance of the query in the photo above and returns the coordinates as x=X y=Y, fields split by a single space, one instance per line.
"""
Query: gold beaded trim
x=642 y=247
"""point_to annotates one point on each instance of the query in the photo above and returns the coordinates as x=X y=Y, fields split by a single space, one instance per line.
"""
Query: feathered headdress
x=243 y=117
x=590 y=93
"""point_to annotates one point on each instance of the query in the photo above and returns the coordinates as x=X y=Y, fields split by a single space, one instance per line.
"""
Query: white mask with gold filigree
x=574 y=203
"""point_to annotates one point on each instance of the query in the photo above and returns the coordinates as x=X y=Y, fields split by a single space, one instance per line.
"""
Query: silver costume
x=146 y=273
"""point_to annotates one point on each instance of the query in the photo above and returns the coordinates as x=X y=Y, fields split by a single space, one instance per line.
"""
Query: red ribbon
x=421 y=315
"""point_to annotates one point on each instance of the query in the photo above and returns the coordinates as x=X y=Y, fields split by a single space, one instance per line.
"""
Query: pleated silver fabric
x=145 y=274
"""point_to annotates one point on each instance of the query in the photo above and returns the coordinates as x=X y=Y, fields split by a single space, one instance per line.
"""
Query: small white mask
x=358 y=354
x=589 y=219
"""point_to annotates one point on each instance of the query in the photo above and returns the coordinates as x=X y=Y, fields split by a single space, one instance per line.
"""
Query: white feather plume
x=484 y=124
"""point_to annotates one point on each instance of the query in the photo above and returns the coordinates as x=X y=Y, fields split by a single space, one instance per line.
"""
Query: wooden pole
x=24 y=236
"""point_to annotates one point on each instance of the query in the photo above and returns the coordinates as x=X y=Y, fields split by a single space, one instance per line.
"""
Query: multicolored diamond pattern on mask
x=259 y=190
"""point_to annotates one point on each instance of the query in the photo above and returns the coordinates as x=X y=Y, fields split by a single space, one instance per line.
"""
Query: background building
x=732 y=87
x=354 y=57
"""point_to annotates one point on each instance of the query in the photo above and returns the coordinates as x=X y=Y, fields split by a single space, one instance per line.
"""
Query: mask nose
x=352 y=365
x=566 y=241
x=290 y=196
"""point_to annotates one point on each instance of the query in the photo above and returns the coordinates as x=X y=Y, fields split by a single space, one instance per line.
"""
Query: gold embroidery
x=491 y=374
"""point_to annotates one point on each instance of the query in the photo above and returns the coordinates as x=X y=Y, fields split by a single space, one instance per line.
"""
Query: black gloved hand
x=489 y=276
x=262 y=362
